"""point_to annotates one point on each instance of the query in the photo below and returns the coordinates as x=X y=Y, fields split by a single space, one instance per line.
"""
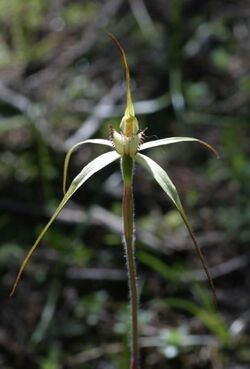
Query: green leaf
x=171 y=140
x=8 y=124
x=169 y=272
x=98 y=141
x=168 y=187
x=90 y=169
x=211 y=319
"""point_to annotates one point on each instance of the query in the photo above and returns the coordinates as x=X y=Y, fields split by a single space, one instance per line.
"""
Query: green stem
x=128 y=224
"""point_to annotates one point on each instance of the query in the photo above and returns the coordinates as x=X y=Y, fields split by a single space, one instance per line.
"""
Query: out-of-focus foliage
x=61 y=81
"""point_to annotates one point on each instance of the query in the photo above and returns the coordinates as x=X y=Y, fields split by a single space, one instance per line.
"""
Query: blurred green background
x=61 y=81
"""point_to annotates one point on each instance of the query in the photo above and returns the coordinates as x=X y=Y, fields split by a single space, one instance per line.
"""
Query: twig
x=97 y=215
x=73 y=52
x=33 y=111
x=220 y=270
x=102 y=274
x=142 y=17
x=142 y=107
x=16 y=100
x=94 y=353
x=93 y=122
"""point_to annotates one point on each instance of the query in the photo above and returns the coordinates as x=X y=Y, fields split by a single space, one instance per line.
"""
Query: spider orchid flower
x=127 y=146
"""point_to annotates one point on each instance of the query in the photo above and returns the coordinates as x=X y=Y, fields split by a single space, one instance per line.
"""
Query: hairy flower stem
x=128 y=224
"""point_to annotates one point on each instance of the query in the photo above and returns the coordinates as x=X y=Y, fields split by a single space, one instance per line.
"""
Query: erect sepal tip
x=129 y=124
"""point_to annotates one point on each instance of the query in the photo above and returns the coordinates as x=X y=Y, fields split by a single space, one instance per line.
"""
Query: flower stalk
x=128 y=227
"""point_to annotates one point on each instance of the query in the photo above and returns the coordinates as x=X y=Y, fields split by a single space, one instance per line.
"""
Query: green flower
x=127 y=142
x=127 y=146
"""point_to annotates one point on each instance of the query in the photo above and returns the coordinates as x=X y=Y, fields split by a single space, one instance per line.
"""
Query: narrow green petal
x=168 y=187
x=171 y=140
x=161 y=177
x=90 y=169
x=93 y=167
x=69 y=153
